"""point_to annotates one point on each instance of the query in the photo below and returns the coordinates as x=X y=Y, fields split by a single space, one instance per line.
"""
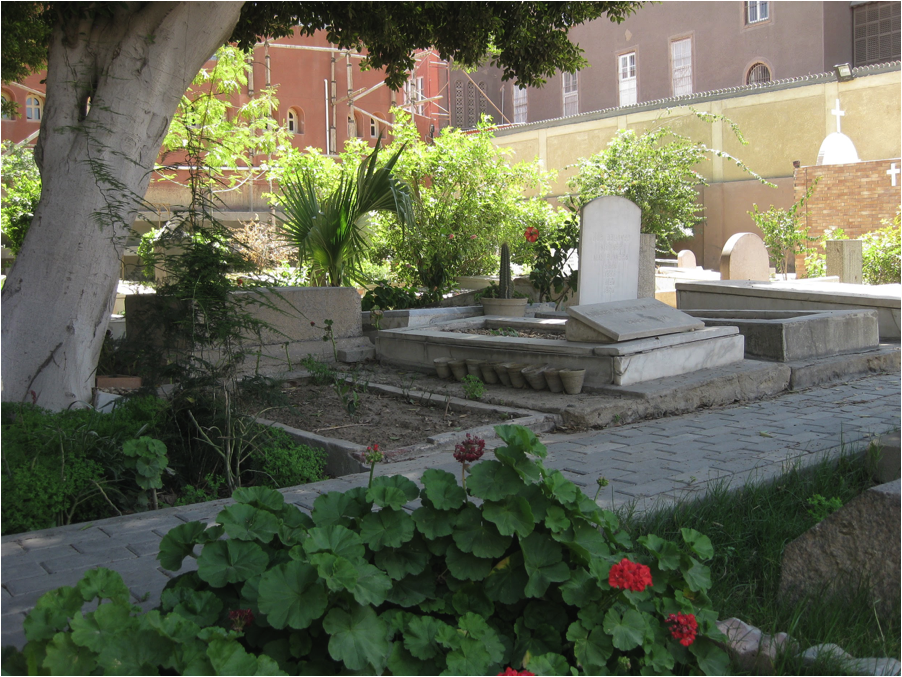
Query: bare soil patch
x=515 y=333
x=392 y=422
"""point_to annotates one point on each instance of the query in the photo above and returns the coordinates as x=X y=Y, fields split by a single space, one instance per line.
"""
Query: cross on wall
x=838 y=113
x=893 y=172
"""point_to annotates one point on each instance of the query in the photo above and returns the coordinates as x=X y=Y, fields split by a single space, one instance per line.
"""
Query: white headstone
x=627 y=320
x=744 y=257
x=686 y=259
x=609 y=251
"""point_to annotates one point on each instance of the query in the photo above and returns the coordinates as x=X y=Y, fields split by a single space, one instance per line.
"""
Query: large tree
x=115 y=74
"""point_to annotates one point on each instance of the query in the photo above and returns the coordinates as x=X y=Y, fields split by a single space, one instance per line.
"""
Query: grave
x=844 y=259
x=794 y=296
x=686 y=259
x=744 y=257
x=663 y=342
x=609 y=250
x=789 y=335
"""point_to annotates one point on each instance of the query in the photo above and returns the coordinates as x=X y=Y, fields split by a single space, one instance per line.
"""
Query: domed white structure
x=837 y=149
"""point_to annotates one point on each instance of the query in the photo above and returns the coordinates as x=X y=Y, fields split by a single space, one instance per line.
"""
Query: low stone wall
x=295 y=317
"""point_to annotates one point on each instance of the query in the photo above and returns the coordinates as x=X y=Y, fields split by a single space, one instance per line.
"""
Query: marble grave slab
x=626 y=320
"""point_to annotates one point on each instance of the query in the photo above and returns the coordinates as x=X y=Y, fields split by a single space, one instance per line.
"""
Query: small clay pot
x=458 y=368
x=515 y=371
x=553 y=379
x=535 y=377
x=572 y=380
x=501 y=371
x=488 y=373
x=474 y=367
x=441 y=367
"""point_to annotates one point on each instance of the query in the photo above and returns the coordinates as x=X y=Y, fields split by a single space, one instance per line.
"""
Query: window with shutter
x=626 y=76
x=571 y=93
x=681 y=63
x=876 y=30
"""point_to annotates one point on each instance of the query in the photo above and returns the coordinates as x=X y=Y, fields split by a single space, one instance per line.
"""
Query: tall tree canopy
x=132 y=61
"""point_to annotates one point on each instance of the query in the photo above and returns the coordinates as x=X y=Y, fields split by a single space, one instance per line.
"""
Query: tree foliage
x=657 y=170
x=21 y=183
x=783 y=232
x=467 y=200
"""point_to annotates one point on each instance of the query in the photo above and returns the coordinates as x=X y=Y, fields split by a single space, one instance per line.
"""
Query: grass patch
x=749 y=528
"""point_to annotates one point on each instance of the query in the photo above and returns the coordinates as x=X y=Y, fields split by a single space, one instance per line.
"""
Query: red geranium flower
x=683 y=627
x=630 y=576
x=239 y=281
x=450 y=236
x=241 y=618
x=531 y=234
x=470 y=450
x=510 y=672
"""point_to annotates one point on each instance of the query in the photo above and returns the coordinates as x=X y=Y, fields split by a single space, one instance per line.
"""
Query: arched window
x=375 y=126
x=757 y=74
x=7 y=107
x=358 y=125
x=34 y=108
x=294 y=120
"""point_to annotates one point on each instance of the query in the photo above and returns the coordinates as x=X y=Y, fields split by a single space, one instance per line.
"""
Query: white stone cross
x=838 y=112
x=893 y=171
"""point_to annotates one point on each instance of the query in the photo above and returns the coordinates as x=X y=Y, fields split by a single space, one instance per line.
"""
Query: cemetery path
x=646 y=462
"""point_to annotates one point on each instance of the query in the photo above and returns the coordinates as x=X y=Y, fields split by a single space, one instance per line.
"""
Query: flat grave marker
x=627 y=320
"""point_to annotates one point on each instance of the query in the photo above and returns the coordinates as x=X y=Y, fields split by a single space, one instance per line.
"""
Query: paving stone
x=84 y=561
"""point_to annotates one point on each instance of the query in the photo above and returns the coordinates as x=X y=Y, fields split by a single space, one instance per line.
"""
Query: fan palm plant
x=330 y=234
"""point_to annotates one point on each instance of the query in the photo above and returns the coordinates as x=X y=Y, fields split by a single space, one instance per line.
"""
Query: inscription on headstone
x=609 y=251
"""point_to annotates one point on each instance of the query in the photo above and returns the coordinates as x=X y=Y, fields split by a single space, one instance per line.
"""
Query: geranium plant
x=534 y=578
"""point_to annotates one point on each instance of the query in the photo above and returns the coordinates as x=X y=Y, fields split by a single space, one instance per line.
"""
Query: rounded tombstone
x=686 y=259
x=744 y=257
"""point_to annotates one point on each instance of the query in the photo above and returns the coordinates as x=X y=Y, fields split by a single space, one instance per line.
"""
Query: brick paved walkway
x=647 y=462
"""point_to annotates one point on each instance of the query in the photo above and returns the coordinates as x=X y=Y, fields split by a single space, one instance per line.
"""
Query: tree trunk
x=132 y=65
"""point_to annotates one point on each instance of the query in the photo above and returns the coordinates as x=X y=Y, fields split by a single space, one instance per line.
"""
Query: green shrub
x=881 y=253
x=65 y=467
x=536 y=576
x=287 y=464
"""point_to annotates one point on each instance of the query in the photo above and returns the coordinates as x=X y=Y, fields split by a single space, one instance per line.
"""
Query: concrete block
x=858 y=544
x=844 y=259
x=357 y=354
x=888 y=459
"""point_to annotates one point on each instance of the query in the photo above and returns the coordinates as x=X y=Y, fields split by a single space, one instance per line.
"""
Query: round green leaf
x=373 y=586
x=247 y=523
x=338 y=572
x=492 y=481
x=434 y=523
x=392 y=492
x=592 y=648
x=581 y=589
x=465 y=566
x=507 y=581
x=97 y=629
x=178 y=544
x=511 y=516
x=223 y=562
x=419 y=637
x=543 y=562
x=411 y=558
x=473 y=534
x=412 y=590
x=336 y=539
x=292 y=594
x=442 y=489
x=260 y=497
x=561 y=488
x=198 y=606
x=698 y=543
x=340 y=508
x=627 y=630
x=357 y=639
x=387 y=528
x=65 y=657
x=102 y=583
x=696 y=574
x=667 y=552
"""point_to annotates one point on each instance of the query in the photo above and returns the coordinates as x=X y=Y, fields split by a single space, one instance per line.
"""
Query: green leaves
x=247 y=523
x=698 y=543
x=474 y=535
x=667 y=553
x=511 y=516
x=442 y=489
x=223 y=562
x=543 y=561
x=493 y=481
x=627 y=629
x=386 y=529
x=392 y=492
x=292 y=595
x=357 y=638
x=178 y=544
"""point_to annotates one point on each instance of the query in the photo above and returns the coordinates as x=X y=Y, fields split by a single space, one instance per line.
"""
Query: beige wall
x=780 y=126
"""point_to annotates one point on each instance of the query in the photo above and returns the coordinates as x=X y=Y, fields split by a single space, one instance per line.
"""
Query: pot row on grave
x=514 y=374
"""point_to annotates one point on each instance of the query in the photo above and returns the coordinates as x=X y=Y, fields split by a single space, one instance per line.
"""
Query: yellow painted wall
x=780 y=126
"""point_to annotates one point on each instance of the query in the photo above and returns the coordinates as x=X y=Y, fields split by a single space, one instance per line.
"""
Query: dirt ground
x=517 y=333
x=392 y=422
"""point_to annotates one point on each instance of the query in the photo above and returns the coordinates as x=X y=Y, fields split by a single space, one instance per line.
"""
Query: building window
x=374 y=126
x=295 y=121
x=626 y=74
x=34 y=108
x=482 y=105
x=571 y=94
x=520 y=105
x=756 y=11
x=414 y=93
x=471 y=105
x=681 y=63
x=759 y=73
x=459 y=113
x=5 y=111
x=876 y=30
